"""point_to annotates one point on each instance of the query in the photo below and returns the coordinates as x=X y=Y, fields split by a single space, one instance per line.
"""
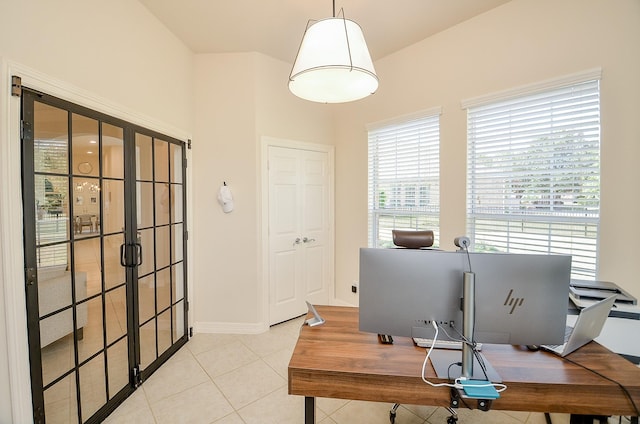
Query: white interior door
x=300 y=238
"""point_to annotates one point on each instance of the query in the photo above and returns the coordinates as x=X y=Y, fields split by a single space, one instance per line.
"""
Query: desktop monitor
x=519 y=298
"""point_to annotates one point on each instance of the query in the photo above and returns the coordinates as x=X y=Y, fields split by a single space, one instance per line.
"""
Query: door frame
x=12 y=262
x=265 y=143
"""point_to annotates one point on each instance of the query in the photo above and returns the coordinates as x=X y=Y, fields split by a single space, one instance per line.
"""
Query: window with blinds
x=534 y=174
x=404 y=178
x=51 y=160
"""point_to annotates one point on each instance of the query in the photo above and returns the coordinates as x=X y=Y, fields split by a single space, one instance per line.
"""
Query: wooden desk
x=336 y=360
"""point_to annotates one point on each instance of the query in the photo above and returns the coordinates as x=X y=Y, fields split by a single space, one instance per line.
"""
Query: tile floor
x=242 y=379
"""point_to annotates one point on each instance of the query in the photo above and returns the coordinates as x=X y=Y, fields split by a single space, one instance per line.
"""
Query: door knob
x=308 y=240
x=296 y=241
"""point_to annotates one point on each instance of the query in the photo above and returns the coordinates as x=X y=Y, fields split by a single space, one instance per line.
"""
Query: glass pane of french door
x=159 y=219
x=77 y=189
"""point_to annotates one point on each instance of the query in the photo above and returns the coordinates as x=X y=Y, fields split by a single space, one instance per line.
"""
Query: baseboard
x=245 y=327
x=340 y=302
x=230 y=327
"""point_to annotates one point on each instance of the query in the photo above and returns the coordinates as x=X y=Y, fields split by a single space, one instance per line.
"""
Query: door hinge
x=25 y=127
x=189 y=144
x=38 y=415
x=186 y=235
x=190 y=332
x=16 y=86
x=30 y=276
x=184 y=164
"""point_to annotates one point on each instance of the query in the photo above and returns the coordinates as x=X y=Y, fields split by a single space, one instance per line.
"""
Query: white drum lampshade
x=333 y=64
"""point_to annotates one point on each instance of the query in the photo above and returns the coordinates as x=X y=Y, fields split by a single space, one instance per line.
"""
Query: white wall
x=519 y=43
x=116 y=51
x=113 y=53
x=240 y=97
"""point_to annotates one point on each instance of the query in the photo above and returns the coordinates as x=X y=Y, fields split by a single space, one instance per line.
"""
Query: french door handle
x=139 y=253
x=123 y=259
x=308 y=240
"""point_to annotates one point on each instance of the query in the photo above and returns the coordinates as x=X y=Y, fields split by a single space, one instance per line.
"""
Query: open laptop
x=587 y=327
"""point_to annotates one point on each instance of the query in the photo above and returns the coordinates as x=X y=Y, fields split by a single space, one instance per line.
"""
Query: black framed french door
x=160 y=275
x=104 y=231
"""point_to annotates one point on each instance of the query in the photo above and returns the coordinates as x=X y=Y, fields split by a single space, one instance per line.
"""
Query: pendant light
x=333 y=64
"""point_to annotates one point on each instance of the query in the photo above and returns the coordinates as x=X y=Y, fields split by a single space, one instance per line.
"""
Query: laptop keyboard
x=567 y=333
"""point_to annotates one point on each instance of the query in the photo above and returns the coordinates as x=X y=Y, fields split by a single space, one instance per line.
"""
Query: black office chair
x=409 y=239
x=412 y=239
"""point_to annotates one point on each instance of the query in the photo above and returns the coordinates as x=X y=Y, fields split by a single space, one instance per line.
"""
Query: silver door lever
x=308 y=240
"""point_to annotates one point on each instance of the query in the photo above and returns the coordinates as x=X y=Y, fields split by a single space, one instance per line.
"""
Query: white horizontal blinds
x=51 y=156
x=404 y=178
x=534 y=174
x=52 y=225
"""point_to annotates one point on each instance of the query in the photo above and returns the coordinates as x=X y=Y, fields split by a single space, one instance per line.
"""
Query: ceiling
x=275 y=27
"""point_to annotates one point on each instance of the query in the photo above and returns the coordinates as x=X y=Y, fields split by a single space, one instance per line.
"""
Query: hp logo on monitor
x=513 y=302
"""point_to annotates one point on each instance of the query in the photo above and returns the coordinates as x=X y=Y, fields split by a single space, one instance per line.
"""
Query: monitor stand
x=444 y=363
x=443 y=360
